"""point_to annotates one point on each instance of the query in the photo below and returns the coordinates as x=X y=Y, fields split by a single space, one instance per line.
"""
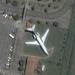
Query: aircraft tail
x=31 y=29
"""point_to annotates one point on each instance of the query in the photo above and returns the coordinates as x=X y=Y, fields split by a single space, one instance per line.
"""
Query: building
x=31 y=65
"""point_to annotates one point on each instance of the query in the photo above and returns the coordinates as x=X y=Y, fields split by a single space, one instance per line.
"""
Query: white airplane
x=39 y=41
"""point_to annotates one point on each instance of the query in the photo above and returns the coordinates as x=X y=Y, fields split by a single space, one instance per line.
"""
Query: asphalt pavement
x=5 y=29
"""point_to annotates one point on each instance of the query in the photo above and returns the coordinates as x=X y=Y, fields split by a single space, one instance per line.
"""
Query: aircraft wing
x=32 y=43
x=45 y=35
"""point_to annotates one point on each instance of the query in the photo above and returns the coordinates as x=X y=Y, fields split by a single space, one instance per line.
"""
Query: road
x=5 y=28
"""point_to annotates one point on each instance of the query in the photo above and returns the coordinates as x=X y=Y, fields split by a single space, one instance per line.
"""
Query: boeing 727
x=38 y=40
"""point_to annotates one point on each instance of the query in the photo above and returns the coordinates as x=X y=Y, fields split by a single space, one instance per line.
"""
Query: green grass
x=54 y=39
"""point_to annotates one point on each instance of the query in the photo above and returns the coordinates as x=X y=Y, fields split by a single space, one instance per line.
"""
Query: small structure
x=29 y=23
x=43 y=68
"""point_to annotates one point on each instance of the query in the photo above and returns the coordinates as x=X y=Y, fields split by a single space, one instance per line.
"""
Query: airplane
x=39 y=41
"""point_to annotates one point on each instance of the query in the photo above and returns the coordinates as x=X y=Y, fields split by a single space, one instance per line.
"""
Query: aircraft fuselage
x=39 y=40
